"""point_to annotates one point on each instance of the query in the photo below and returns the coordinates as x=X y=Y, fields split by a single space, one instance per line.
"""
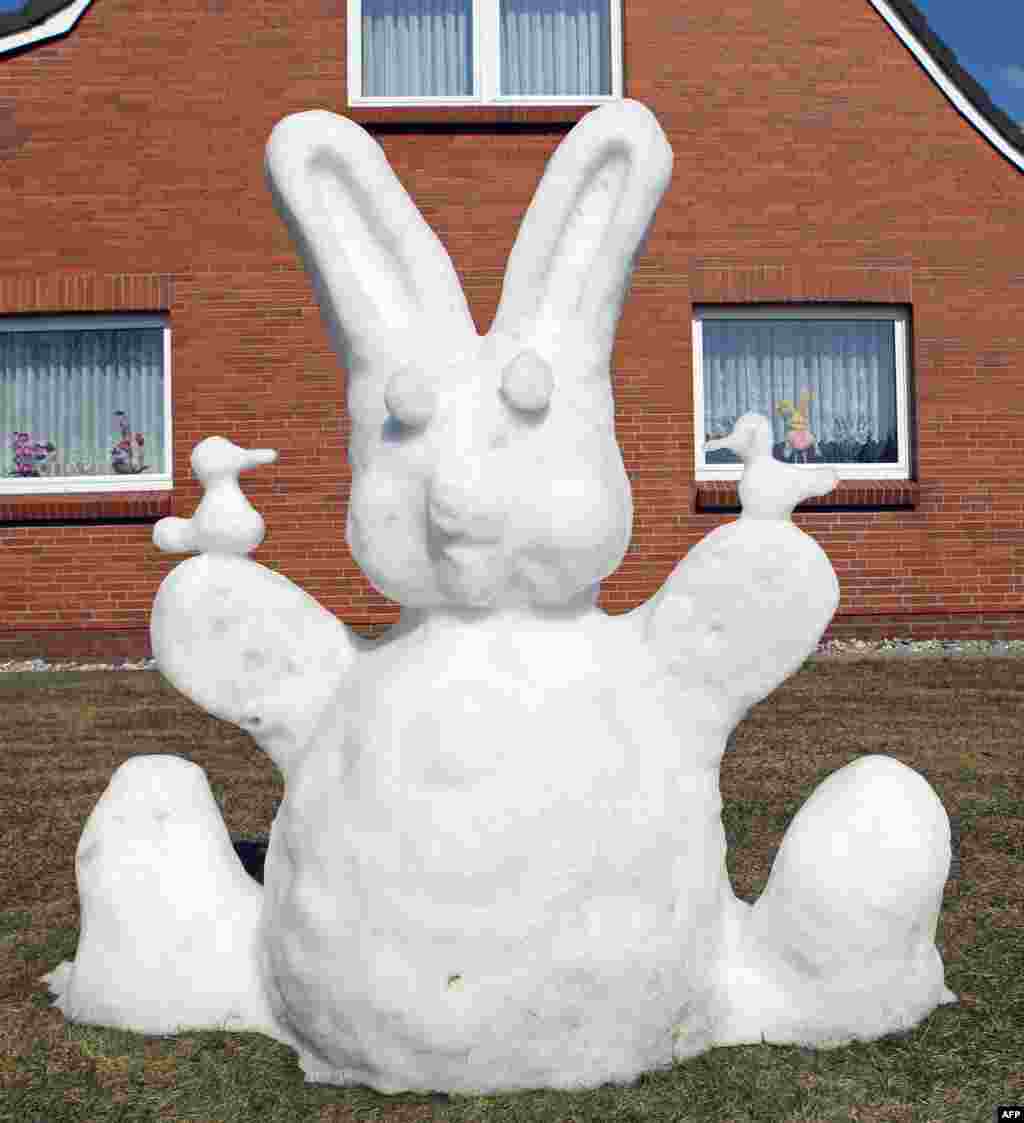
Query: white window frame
x=898 y=471
x=486 y=64
x=155 y=480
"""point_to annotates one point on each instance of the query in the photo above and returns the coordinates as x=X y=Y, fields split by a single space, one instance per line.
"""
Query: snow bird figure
x=499 y=862
x=225 y=522
x=770 y=488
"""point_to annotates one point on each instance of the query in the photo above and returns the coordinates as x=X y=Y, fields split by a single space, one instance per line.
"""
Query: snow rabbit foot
x=169 y=917
x=840 y=946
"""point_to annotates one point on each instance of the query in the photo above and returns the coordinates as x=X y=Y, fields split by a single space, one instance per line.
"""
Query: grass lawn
x=956 y=720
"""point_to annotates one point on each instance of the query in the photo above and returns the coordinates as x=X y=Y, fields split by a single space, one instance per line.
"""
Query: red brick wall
x=815 y=160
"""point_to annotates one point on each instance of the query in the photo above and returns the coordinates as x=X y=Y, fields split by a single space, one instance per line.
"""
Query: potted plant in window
x=30 y=455
x=122 y=454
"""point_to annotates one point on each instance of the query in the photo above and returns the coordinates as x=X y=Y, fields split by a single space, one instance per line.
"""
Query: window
x=84 y=404
x=833 y=382
x=484 y=52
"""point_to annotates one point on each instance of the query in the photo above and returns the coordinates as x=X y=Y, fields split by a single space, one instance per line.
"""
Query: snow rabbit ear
x=570 y=267
x=380 y=273
x=382 y=276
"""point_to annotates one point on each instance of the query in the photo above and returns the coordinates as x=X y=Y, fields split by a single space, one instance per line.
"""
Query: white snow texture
x=499 y=863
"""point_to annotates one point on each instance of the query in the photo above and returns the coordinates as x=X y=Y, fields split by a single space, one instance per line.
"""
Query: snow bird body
x=225 y=522
x=770 y=489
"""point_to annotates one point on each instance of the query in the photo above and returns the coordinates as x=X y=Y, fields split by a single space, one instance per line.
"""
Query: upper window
x=484 y=52
x=85 y=403
x=832 y=381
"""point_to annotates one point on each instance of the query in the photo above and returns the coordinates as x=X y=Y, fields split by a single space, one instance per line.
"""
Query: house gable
x=39 y=20
x=1000 y=130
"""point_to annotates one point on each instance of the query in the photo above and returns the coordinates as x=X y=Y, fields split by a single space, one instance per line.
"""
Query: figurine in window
x=799 y=438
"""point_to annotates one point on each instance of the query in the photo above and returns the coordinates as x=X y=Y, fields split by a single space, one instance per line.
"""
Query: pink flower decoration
x=800 y=439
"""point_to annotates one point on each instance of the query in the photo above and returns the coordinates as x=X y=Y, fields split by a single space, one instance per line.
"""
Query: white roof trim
x=947 y=85
x=55 y=24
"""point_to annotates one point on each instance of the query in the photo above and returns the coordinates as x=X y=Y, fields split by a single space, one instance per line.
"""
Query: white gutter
x=55 y=24
x=947 y=85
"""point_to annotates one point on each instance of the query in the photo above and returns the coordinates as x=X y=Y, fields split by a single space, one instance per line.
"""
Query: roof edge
x=41 y=22
x=967 y=96
x=905 y=19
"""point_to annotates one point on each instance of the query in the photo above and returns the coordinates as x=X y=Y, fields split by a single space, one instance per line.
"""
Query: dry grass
x=956 y=720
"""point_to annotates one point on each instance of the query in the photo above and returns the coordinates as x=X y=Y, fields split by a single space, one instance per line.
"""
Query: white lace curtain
x=424 y=48
x=839 y=374
x=70 y=399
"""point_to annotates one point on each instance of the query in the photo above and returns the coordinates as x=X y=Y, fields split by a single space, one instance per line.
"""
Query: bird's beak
x=714 y=446
x=254 y=457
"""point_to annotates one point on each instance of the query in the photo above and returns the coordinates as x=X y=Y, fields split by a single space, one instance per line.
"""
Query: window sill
x=27 y=510
x=722 y=496
x=398 y=117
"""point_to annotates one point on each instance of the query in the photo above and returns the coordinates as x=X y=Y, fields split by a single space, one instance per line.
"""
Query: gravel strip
x=14 y=665
x=848 y=649
x=928 y=648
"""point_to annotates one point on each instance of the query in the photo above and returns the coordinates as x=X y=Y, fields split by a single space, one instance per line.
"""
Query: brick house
x=841 y=247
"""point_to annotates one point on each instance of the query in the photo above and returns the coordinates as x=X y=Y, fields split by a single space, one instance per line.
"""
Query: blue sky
x=986 y=35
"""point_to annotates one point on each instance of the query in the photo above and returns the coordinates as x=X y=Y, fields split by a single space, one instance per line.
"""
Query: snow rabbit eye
x=527 y=382
x=410 y=398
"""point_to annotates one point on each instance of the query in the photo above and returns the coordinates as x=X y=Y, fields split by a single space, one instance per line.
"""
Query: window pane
x=828 y=386
x=417 y=48
x=81 y=402
x=556 y=47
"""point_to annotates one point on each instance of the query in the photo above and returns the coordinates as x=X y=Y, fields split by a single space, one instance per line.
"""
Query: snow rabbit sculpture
x=499 y=863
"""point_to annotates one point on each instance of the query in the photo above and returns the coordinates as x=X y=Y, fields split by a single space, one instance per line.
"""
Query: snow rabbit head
x=486 y=473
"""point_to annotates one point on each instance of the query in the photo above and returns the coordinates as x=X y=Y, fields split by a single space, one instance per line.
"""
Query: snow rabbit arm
x=250 y=647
